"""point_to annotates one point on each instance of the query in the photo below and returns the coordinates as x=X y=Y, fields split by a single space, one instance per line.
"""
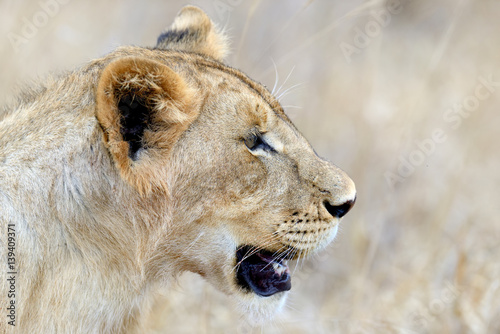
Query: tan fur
x=99 y=230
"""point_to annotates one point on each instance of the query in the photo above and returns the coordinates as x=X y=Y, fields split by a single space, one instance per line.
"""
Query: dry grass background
x=421 y=256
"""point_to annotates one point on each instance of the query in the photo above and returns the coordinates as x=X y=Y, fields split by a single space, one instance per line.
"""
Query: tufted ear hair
x=193 y=31
x=143 y=107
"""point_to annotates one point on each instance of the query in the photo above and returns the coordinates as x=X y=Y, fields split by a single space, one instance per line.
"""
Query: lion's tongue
x=262 y=273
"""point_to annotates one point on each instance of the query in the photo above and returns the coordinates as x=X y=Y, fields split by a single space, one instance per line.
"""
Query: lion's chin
x=259 y=310
x=262 y=281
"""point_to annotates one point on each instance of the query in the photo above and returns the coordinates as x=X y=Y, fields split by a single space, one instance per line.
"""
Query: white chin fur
x=334 y=232
x=259 y=310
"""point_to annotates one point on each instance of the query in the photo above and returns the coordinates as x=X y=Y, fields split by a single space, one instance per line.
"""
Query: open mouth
x=262 y=272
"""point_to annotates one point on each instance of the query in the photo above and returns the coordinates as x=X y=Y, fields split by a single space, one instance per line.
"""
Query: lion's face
x=260 y=194
x=244 y=191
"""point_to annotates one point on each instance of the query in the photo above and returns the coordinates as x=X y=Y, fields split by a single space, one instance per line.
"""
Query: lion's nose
x=340 y=210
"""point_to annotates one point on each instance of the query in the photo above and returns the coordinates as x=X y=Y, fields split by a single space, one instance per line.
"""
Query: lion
x=146 y=163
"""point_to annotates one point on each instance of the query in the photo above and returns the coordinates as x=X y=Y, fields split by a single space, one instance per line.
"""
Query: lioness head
x=232 y=189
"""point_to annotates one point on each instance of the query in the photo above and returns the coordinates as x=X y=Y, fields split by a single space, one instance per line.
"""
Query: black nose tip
x=339 y=211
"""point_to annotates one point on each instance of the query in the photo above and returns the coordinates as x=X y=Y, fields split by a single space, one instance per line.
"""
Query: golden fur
x=139 y=166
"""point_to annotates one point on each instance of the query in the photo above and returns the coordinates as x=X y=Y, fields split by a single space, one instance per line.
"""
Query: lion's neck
x=82 y=228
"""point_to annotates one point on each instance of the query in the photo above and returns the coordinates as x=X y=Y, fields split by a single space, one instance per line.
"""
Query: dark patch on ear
x=193 y=31
x=175 y=36
x=135 y=116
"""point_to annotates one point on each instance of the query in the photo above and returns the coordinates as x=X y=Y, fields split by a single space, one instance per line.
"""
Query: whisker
x=268 y=240
x=290 y=106
x=286 y=79
x=286 y=91
x=277 y=77
x=192 y=243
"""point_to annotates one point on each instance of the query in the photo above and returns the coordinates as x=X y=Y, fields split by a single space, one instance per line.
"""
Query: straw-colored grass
x=421 y=255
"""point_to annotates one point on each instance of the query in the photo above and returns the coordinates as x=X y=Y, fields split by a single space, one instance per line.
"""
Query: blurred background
x=401 y=94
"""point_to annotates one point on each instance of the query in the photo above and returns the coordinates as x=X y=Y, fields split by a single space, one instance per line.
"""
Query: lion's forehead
x=205 y=73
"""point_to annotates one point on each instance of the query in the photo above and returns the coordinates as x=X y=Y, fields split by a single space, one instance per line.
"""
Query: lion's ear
x=143 y=107
x=193 y=31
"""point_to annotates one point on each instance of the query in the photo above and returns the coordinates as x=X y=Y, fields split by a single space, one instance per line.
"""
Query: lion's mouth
x=262 y=272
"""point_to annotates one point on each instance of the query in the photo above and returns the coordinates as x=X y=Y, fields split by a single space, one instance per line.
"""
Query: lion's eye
x=256 y=142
